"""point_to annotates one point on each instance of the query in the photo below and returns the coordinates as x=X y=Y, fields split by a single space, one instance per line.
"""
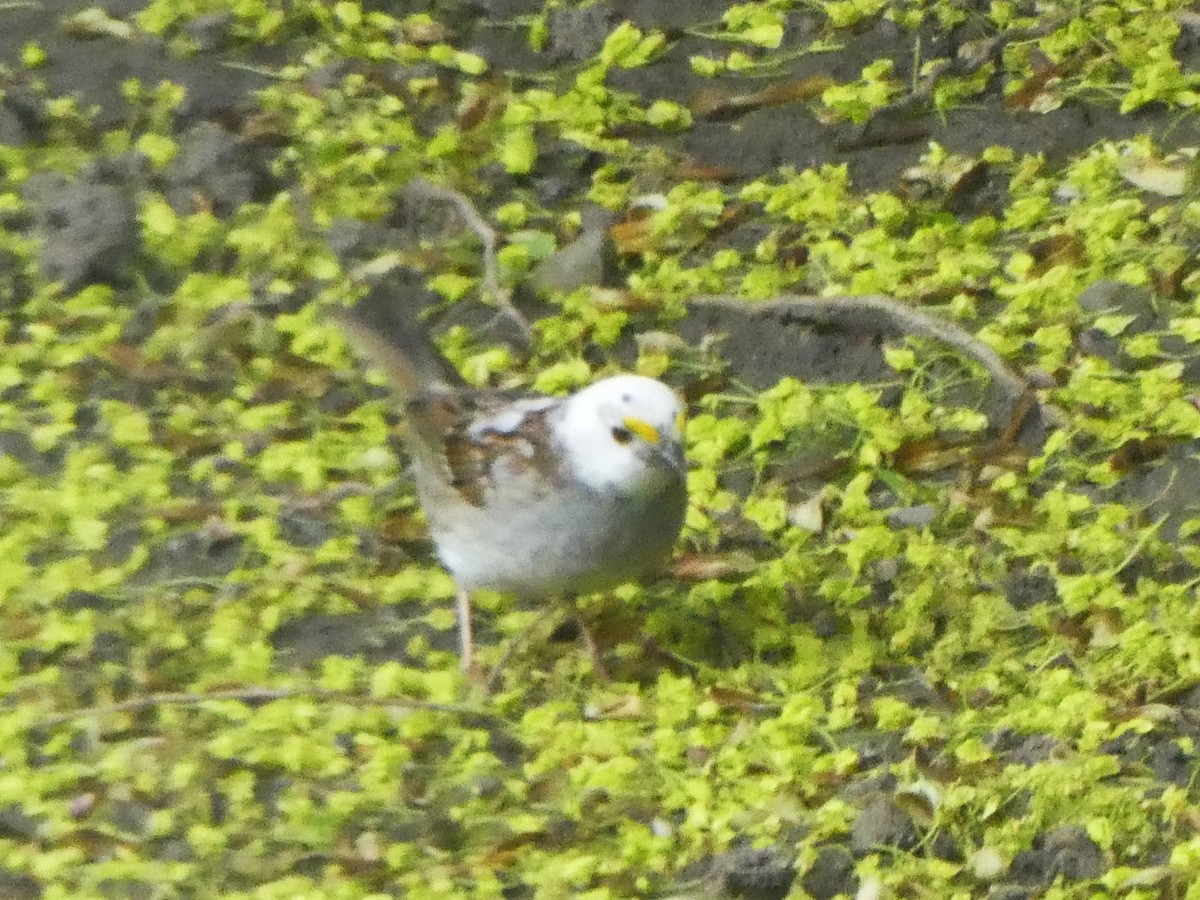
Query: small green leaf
x=158 y=148
x=1187 y=327
x=451 y=285
x=972 y=751
x=902 y=359
x=1112 y=325
x=563 y=376
x=33 y=56
x=518 y=150
x=159 y=218
x=470 y=63
x=769 y=513
x=668 y=114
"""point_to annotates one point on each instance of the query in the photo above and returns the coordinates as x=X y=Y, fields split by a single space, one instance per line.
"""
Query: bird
x=532 y=495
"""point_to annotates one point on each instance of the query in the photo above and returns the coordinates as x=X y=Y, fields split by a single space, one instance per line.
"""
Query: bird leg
x=593 y=649
x=466 y=643
x=583 y=635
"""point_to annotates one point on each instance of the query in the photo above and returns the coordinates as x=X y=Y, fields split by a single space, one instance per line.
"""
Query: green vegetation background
x=152 y=554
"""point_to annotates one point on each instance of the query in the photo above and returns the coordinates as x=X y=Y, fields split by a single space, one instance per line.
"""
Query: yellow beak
x=644 y=430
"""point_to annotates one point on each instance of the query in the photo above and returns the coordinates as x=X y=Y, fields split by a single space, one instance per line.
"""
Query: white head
x=624 y=433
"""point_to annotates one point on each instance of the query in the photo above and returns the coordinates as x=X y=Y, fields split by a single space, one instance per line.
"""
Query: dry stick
x=492 y=286
x=878 y=314
x=887 y=317
x=254 y=695
x=872 y=314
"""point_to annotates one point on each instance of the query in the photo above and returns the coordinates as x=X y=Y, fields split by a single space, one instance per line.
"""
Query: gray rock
x=1025 y=589
x=883 y=824
x=744 y=872
x=832 y=873
x=1066 y=851
x=577 y=32
x=584 y=261
x=211 y=31
x=213 y=167
x=912 y=516
x=1117 y=298
x=89 y=231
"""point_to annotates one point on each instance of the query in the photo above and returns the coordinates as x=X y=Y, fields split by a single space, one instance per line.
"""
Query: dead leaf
x=714 y=103
x=95 y=22
x=1033 y=94
x=931 y=455
x=696 y=171
x=628 y=706
x=1138 y=451
x=1167 y=177
x=810 y=514
x=706 y=566
x=743 y=701
x=1060 y=250
x=635 y=234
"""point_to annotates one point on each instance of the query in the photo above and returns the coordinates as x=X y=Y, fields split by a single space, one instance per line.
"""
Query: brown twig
x=888 y=318
x=493 y=288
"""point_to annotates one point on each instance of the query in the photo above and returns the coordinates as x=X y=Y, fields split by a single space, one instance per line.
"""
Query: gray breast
x=568 y=541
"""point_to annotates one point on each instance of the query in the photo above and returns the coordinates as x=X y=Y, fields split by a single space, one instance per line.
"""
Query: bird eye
x=622 y=435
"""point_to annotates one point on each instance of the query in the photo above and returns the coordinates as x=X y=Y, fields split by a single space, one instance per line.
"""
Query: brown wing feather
x=462 y=435
x=455 y=432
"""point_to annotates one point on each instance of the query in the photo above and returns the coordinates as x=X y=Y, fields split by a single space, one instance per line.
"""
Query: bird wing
x=468 y=435
x=458 y=436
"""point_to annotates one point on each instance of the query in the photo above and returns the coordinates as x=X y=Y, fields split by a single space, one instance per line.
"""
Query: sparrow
x=533 y=495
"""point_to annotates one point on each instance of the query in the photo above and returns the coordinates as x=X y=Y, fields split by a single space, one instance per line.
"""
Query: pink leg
x=466 y=645
x=589 y=642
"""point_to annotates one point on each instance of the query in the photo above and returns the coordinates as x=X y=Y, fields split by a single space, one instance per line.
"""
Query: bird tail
x=386 y=333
